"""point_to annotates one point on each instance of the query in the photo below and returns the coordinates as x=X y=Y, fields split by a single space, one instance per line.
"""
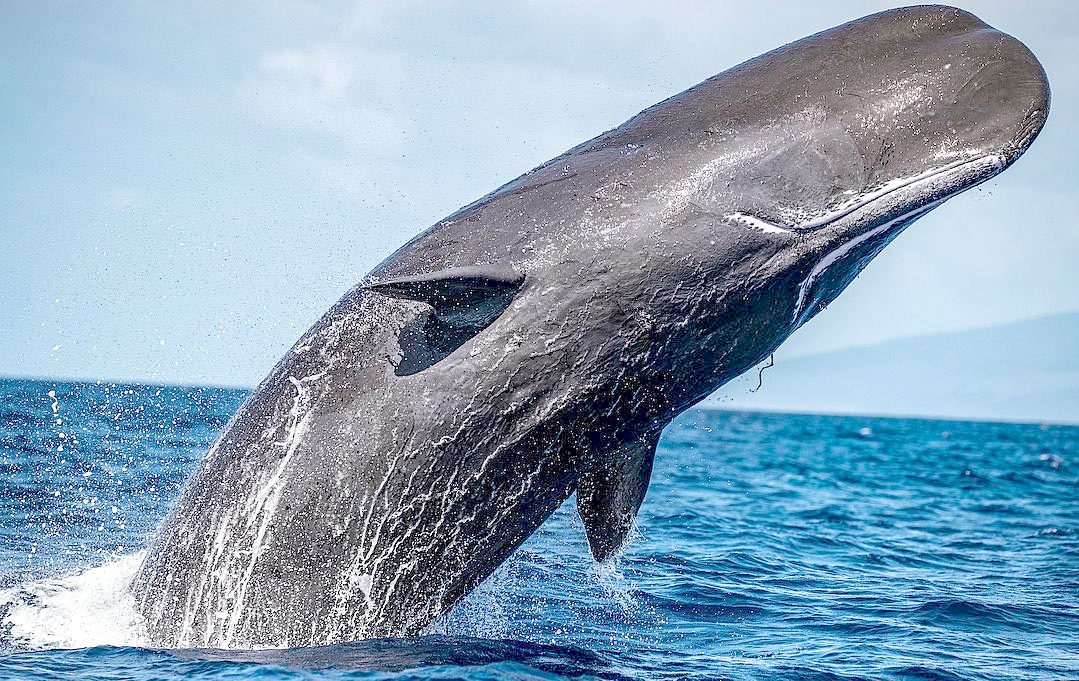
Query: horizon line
x=703 y=405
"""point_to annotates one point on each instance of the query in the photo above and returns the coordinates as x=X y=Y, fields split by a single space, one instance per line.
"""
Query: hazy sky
x=187 y=187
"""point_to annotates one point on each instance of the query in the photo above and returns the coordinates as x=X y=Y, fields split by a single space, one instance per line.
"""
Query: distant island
x=1022 y=371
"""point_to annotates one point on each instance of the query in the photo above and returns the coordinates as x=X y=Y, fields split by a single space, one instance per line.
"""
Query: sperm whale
x=536 y=342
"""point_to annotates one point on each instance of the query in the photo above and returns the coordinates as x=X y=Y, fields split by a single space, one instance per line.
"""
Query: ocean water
x=770 y=547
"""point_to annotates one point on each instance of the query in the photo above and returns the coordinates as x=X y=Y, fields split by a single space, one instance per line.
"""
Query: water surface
x=771 y=547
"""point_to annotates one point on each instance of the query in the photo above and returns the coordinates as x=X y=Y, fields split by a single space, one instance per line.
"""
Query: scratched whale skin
x=535 y=343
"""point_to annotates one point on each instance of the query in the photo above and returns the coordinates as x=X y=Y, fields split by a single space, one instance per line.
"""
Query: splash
x=89 y=608
x=616 y=587
x=485 y=613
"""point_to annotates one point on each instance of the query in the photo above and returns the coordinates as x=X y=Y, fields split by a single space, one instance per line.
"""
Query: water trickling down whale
x=537 y=341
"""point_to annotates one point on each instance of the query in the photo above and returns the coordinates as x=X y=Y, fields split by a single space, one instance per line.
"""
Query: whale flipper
x=610 y=489
x=465 y=300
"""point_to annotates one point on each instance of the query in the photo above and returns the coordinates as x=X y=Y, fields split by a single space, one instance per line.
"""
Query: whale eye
x=464 y=301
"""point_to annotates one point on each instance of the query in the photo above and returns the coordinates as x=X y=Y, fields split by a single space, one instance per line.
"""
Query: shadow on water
x=399 y=654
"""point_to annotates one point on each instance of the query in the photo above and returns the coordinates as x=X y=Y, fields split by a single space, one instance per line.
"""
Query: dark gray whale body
x=536 y=342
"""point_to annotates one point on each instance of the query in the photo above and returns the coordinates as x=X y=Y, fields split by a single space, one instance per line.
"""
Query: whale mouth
x=974 y=171
x=876 y=218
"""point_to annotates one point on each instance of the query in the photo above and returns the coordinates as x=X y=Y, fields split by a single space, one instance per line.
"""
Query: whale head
x=831 y=146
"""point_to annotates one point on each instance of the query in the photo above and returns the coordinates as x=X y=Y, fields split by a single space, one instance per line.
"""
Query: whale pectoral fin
x=465 y=300
x=453 y=286
x=610 y=491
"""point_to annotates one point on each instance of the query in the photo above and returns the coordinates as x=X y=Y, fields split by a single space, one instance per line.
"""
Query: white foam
x=90 y=608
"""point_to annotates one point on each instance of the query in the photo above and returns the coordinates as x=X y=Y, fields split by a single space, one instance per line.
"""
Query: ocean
x=770 y=546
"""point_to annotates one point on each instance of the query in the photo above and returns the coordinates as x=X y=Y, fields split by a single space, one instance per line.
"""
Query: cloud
x=327 y=91
x=371 y=116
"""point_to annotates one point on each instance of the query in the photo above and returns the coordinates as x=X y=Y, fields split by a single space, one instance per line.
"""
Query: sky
x=187 y=187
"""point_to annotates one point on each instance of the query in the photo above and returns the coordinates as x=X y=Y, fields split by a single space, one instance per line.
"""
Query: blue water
x=771 y=547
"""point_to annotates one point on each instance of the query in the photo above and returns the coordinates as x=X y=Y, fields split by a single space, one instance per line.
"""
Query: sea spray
x=92 y=607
